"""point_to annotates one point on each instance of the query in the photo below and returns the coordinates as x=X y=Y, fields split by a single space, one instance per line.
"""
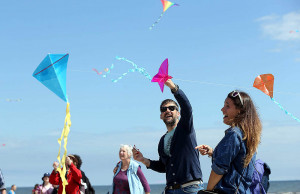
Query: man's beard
x=171 y=122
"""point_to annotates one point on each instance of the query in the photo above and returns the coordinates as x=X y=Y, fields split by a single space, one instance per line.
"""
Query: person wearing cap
x=46 y=187
x=73 y=176
x=2 y=184
x=178 y=157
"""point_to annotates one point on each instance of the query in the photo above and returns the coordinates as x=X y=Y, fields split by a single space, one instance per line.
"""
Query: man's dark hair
x=79 y=161
x=166 y=101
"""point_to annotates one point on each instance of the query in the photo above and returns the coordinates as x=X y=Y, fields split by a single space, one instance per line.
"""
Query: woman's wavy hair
x=249 y=122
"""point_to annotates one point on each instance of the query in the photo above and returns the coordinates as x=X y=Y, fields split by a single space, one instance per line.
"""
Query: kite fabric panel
x=162 y=76
x=52 y=72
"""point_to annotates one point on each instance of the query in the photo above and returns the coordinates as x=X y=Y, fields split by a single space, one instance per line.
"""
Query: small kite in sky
x=166 y=5
x=106 y=70
x=52 y=73
x=162 y=76
x=265 y=83
x=13 y=100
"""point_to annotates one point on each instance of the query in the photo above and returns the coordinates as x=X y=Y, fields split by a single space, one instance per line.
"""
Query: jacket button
x=175 y=183
x=173 y=174
x=171 y=164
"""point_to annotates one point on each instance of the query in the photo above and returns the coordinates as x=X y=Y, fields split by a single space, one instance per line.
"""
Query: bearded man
x=178 y=157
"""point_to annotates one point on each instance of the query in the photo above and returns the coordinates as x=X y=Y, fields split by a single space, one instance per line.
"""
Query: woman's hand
x=205 y=150
x=68 y=161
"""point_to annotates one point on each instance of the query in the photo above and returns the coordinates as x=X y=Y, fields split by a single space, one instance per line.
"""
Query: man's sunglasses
x=171 y=108
x=235 y=94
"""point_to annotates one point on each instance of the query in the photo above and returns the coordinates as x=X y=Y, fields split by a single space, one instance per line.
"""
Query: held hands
x=205 y=150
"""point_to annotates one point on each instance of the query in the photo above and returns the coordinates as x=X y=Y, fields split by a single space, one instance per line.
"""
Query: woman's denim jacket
x=228 y=160
x=134 y=182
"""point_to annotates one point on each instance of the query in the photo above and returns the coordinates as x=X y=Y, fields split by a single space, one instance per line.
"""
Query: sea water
x=287 y=187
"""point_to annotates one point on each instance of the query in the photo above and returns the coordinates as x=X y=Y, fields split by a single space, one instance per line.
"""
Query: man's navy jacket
x=183 y=165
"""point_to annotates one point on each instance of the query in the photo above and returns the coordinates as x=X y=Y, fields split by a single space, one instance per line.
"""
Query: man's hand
x=170 y=84
x=137 y=155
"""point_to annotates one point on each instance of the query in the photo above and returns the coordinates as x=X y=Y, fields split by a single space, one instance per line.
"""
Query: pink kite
x=162 y=76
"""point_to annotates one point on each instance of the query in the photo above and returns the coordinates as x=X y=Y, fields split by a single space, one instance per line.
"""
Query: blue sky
x=213 y=47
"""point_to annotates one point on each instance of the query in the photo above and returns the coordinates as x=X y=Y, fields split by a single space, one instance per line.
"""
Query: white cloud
x=279 y=27
x=267 y=18
x=275 y=50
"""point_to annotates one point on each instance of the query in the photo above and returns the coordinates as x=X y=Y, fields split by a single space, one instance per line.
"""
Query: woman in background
x=129 y=178
x=46 y=187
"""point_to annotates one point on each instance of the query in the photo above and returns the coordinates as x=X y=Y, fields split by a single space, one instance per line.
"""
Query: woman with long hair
x=234 y=157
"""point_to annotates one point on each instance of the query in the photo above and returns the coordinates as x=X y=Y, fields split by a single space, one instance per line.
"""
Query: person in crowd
x=128 y=177
x=46 y=187
x=231 y=169
x=73 y=176
x=13 y=189
x=55 y=189
x=85 y=182
x=2 y=184
x=35 y=189
x=178 y=157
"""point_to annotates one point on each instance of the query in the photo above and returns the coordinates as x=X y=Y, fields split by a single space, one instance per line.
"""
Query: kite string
x=151 y=27
x=232 y=86
x=64 y=136
x=286 y=112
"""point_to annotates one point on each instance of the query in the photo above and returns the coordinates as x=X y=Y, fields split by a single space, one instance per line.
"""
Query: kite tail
x=64 y=136
x=135 y=68
x=150 y=28
x=286 y=112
